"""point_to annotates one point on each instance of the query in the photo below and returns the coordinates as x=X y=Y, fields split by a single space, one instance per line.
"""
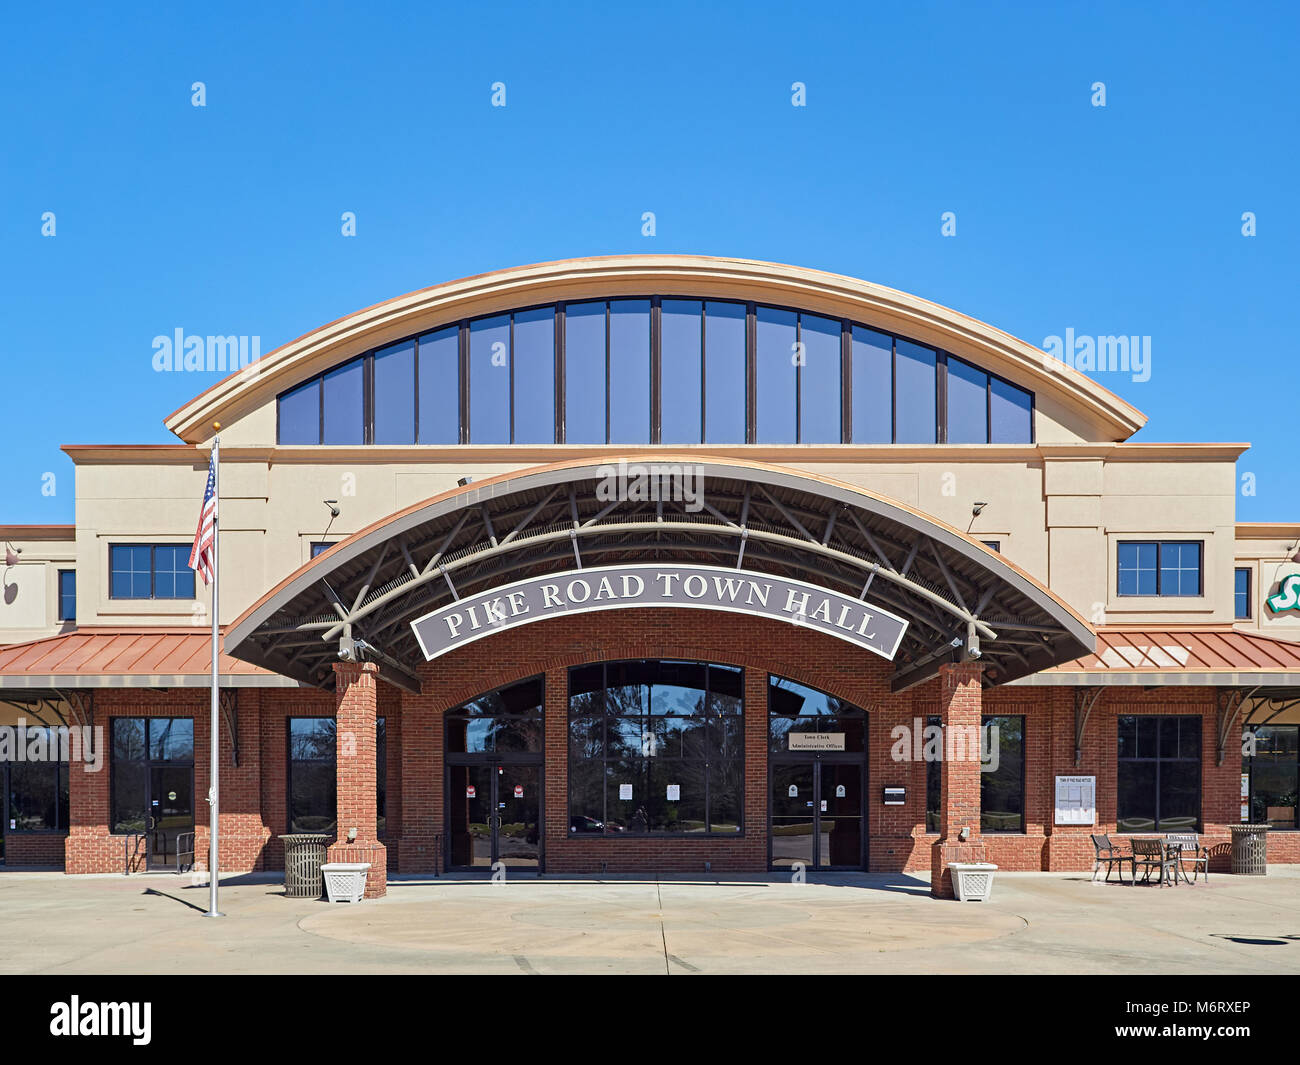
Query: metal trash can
x=304 y=854
x=1249 y=849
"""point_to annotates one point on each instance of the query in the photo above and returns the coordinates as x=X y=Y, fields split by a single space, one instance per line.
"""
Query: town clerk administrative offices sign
x=695 y=587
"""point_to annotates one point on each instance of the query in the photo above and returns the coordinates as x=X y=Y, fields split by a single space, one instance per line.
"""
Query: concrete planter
x=972 y=881
x=345 y=881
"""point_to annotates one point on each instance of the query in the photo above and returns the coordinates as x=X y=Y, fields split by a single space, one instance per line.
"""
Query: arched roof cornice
x=679 y=275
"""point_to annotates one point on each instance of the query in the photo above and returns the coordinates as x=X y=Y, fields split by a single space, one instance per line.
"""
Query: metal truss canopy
x=357 y=599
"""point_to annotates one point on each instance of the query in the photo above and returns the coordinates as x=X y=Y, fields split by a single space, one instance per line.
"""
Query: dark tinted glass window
x=1166 y=568
x=143 y=571
x=795 y=708
x=489 y=380
x=172 y=578
x=37 y=785
x=439 y=387
x=171 y=739
x=1011 y=414
x=777 y=387
x=506 y=720
x=873 y=387
x=343 y=405
x=534 y=361
x=655 y=747
x=395 y=394
x=130 y=571
x=682 y=366
x=1137 y=569
x=1241 y=593
x=629 y=372
x=724 y=373
x=1180 y=569
x=968 y=421
x=584 y=373
x=1159 y=773
x=819 y=380
x=914 y=399
x=312 y=775
x=67 y=595
x=1002 y=774
x=1274 y=775
x=300 y=414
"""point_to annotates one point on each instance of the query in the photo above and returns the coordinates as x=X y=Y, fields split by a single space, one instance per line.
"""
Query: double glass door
x=816 y=811
x=494 y=815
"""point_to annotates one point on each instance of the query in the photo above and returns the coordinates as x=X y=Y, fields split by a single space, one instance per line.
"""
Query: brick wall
x=254 y=805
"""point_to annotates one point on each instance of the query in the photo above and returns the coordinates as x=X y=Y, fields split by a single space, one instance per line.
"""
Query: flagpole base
x=213 y=913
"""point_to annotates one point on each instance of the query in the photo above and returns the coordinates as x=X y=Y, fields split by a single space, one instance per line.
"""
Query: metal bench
x=1107 y=852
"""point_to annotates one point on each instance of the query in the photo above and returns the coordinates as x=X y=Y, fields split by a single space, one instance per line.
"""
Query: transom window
x=150 y=571
x=656 y=748
x=1161 y=568
x=656 y=369
x=506 y=721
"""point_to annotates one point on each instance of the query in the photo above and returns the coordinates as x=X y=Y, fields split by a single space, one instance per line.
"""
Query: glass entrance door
x=816 y=812
x=170 y=813
x=494 y=815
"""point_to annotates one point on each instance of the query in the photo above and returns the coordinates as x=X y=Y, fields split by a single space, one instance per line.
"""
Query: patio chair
x=1106 y=851
x=1192 y=851
x=1149 y=854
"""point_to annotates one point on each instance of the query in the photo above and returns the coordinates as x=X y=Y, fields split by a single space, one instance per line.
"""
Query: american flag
x=205 y=546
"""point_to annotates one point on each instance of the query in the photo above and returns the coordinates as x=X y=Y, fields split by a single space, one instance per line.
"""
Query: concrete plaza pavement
x=674 y=924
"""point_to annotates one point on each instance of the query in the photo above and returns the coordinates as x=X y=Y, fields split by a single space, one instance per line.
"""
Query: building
x=655 y=563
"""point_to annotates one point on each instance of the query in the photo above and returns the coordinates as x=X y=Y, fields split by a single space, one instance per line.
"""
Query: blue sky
x=226 y=219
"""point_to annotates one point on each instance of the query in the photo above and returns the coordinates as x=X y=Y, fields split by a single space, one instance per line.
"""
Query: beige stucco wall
x=1058 y=512
x=29 y=602
x=1269 y=551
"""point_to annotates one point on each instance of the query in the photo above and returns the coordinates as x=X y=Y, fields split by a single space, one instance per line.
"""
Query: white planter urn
x=972 y=881
x=345 y=881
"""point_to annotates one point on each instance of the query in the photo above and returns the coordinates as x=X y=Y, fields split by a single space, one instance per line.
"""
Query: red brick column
x=960 y=707
x=357 y=697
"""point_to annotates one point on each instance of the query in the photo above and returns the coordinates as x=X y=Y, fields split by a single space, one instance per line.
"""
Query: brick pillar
x=960 y=708
x=357 y=703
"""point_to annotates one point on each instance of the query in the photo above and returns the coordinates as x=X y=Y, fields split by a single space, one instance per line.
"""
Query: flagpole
x=214 y=727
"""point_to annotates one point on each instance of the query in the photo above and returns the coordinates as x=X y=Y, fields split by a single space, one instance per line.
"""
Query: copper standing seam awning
x=134 y=658
x=1217 y=657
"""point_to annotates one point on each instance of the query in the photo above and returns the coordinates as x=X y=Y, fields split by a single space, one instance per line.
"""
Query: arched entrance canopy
x=358 y=599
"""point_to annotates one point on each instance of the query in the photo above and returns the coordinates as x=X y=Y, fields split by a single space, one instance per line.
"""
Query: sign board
x=815 y=741
x=625 y=791
x=1076 y=801
x=1287 y=596
x=794 y=791
x=1245 y=798
x=736 y=591
x=895 y=796
x=519 y=791
x=469 y=791
x=674 y=793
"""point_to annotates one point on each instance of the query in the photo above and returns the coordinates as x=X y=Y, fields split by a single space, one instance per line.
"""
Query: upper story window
x=67 y=595
x=1162 y=568
x=319 y=547
x=1241 y=593
x=150 y=571
x=656 y=370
